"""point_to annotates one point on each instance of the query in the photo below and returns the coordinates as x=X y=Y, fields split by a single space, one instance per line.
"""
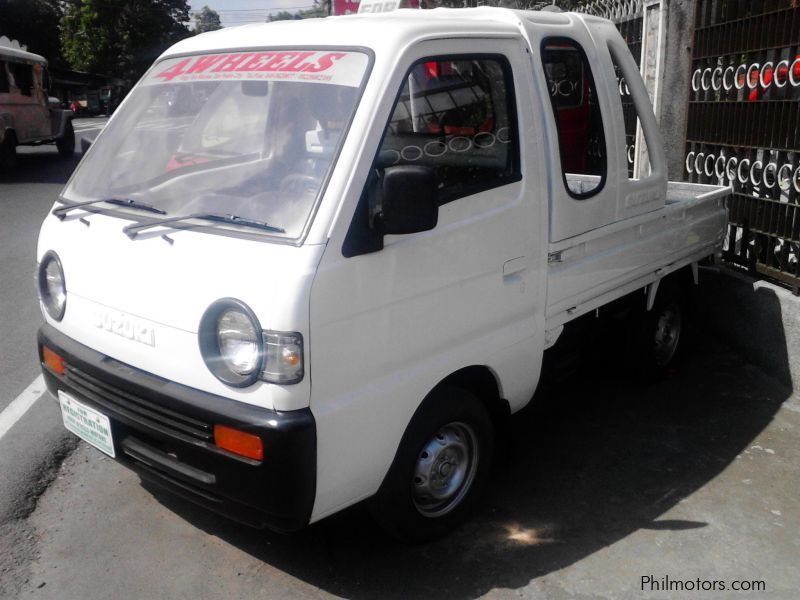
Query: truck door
x=387 y=324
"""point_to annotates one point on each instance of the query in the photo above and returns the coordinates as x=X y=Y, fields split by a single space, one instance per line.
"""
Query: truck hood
x=131 y=288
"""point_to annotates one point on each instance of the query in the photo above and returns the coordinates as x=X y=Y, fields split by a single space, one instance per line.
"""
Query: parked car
x=26 y=115
x=329 y=270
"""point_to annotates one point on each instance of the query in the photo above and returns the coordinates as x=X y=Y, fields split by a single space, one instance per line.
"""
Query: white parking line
x=20 y=405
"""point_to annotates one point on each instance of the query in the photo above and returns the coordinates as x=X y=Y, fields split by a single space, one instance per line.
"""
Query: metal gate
x=744 y=127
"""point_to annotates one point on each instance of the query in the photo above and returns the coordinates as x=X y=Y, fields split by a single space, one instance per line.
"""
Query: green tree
x=206 y=20
x=321 y=8
x=34 y=23
x=121 y=37
x=283 y=15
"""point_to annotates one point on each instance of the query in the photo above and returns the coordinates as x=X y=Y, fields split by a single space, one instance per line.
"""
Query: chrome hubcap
x=667 y=336
x=445 y=469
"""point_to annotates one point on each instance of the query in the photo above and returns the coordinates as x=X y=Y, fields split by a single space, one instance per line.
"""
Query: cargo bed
x=596 y=267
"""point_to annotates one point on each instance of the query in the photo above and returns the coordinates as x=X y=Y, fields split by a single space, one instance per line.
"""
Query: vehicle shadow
x=41 y=165
x=590 y=463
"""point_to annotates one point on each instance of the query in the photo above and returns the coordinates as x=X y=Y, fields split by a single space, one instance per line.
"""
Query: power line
x=233 y=12
x=234 y=17
x=252 y=13
x=239 y=10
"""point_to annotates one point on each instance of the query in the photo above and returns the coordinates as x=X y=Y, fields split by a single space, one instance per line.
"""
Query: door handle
x=515 y=265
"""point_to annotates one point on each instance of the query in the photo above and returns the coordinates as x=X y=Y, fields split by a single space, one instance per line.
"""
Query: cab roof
x=377 y=31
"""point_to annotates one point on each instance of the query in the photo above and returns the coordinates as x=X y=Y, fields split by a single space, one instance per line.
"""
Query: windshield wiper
x=62 y=211
x=133 y=230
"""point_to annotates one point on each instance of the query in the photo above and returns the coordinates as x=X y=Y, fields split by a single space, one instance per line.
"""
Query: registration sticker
x=88 y=424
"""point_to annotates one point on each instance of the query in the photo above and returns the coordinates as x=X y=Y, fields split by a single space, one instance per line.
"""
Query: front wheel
x=440 y=469
x=8 y=153
x=66 y=143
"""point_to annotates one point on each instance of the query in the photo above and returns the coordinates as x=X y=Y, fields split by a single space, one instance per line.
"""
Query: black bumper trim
x=160 y=430
x=193 y=427
x=156 y=459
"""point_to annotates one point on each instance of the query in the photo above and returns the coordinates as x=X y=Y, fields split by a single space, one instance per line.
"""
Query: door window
x=456 y=115
x=22 y=77
x=577 y=115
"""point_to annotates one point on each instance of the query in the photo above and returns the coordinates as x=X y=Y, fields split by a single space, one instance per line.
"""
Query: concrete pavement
x=33 y=448
x=25 y=197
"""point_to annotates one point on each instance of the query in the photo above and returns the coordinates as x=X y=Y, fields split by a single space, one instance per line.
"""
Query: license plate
x=88 y=424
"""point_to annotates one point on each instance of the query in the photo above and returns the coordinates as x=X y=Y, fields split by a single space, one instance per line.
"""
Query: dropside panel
x=604 y=263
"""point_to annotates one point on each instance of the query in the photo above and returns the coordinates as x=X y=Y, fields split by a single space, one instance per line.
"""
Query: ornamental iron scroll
x=743 y=127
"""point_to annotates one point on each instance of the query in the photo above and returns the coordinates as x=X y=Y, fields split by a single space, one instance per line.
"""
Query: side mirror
x=406 y=199
x=85 y=143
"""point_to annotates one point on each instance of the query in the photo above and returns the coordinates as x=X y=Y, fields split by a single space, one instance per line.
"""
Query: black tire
x=66 y=143
x=655 y=336
x=8 y=153
x=451 y=438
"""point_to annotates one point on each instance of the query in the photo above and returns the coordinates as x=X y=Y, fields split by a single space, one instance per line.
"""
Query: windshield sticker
x=339 y=68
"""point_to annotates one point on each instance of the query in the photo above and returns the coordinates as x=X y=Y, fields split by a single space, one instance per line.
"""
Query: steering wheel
x=297 y=182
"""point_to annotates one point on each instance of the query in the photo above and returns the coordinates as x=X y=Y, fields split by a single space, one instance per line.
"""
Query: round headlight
x=52 y=287
x=239 y=344
x=231 y=342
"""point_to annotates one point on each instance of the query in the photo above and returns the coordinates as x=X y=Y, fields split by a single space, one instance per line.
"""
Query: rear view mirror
x=255 y=88
x=407 y=200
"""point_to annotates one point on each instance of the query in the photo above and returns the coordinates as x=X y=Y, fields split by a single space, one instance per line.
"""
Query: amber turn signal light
x=53 y=361
x=239 y=442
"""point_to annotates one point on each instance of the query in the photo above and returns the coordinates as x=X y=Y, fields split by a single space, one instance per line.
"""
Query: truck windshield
x=252 y=134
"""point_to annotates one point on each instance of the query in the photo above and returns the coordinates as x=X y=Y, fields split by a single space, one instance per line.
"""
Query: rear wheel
x=655 y=336
x=66 y=143
x=440 y=468
x=8 y=152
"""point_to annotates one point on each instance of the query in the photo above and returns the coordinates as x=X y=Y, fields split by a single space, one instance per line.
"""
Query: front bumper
x=164 y=432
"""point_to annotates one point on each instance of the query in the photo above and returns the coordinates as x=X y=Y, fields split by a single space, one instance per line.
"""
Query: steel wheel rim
x=667 y=335
x=445 y=469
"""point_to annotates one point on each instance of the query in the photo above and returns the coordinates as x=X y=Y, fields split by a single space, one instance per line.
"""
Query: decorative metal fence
x=744 y=127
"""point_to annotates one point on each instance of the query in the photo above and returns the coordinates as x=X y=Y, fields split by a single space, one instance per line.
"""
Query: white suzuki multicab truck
x=309 y=263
